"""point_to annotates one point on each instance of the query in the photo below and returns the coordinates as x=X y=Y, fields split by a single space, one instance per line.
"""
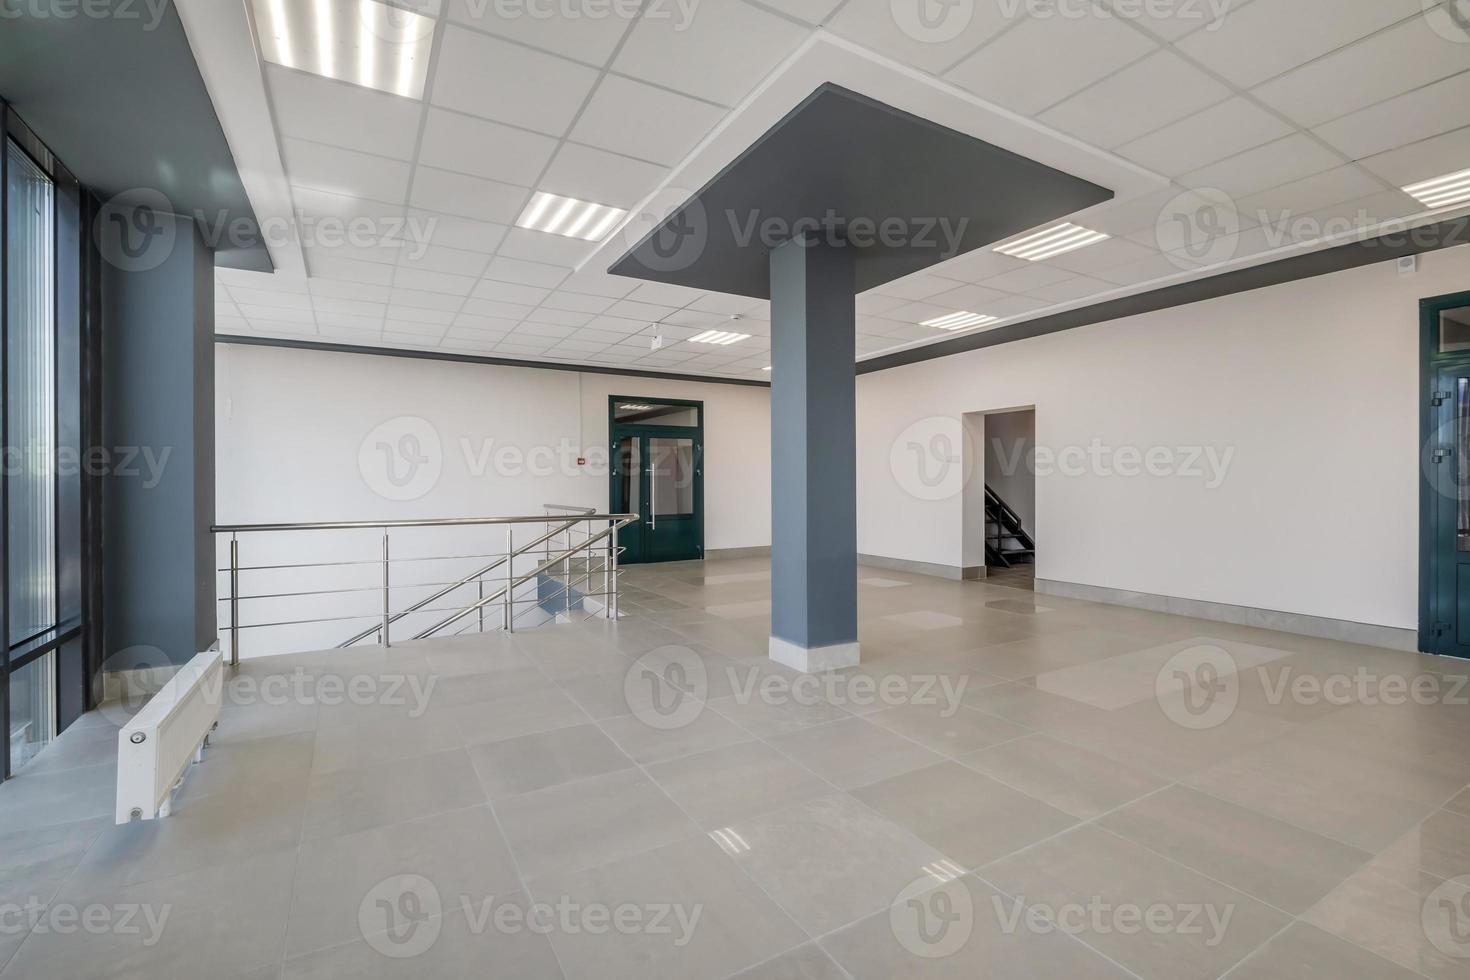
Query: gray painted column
x=158 y=396
x=813 y=457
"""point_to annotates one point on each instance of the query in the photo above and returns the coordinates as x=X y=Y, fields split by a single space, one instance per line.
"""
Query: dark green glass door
x=1447 y=465
x=658 y=475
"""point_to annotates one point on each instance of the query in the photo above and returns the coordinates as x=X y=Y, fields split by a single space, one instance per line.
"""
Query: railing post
x=612 y=557
x=387 y=614
x=234 y=600
x=481 y=582
x=510 y=579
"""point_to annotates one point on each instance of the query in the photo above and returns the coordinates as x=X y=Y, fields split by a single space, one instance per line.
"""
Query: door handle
x=653 y=498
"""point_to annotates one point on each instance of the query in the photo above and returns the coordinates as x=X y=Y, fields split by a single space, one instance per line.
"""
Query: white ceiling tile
x=409 y=341
x=528 y=273
x=486 y=149
x=495 y=79
x=437 y=258
x=1264 y=38
x=725 y=303
x=719 y=54
x=603 y=337
x=424 y=300
x=576 y=346
x=1310 y=193
x=316 y=205
x=496 y=308
x=586 y=32
x=664 y=294
x=349 y=321
x=1025 y=280
x=702 y=320
x=1017 y=306
x=601 y=177
x=958 y=30
x=324 y=263
x=1076 y=51
x=326 y=111
x=1223 y=130
x=454 y=231
x=471 y=197
x=275 y=313
x=230 y=324
x=638 y=120
x=433 y=282
x=244 y=297
x=351 y=307
x=413 y=329
x=564 y=318
x=646 y=312
x=490 y=324
x=506 y=292
x=1369 y=71
x=873 y=303
x=1172 y=21
x=1071 y=290
x=1414 y=116
x=917 y=286
x=596 y=283
x=1437 y=156
x=349 y=335
x=527 y=330
x=1142 y=97
x=814 y=12
x=577 y=303
x=971 y=298
x=538 y=246
x=335 y=289
x=419 y=314
x=977 y=266
x=1265 y=166
x=1103 y=255
x=614 y=324
x=338 y=171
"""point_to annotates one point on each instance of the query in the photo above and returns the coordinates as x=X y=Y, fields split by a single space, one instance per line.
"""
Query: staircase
x=1006 y=541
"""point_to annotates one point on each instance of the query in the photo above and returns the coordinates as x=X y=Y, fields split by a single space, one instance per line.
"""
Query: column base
x=814 y=660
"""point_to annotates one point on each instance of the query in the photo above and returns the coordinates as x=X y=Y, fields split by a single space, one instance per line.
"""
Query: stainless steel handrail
x=481 y=573
x=565 y=525
x=509 y=588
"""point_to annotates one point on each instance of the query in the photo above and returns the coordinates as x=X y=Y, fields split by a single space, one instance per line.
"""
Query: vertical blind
x=30 y=464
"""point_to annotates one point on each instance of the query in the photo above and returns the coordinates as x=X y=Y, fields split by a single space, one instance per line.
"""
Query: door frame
x=617 y=430
x=1431 y=363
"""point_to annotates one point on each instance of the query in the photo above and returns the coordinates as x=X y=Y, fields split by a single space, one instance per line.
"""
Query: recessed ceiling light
x=959 y=321
x=722 y=337
x=366 y=42
x=1064 y=237
x=1442 y=192
x=569 y=217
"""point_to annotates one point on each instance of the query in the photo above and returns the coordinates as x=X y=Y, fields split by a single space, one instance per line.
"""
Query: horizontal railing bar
x=372 y=562
x=571 y=507
x=376 y=616
x=386 y=525
x=581 y=575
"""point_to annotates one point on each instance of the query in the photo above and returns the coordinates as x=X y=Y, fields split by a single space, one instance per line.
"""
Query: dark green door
x=658 y=474
x=1445 y=464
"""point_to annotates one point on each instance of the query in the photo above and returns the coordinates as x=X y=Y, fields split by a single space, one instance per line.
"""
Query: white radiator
x=159 y=744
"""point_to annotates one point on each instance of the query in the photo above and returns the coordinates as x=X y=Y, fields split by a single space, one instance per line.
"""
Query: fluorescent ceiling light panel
x=1442 y=192
x=366 y=42
x=960 y=321
x=722 y=337
x=569 y=217
x=1056 y=240
x=635 y=408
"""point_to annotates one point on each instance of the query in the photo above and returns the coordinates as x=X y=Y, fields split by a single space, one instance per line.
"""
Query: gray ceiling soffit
x=863 y=163
x=1385 y=248
x=113 y=90
x=438 y=355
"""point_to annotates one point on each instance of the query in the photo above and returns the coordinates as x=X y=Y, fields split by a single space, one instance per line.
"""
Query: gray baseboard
x=715 y=554
x=955 y=573
x=1389 y=637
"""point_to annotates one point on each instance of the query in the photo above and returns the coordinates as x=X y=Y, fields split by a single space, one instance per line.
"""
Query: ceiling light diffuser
x=366 y=42
x=1061 y=238
x=569 y=217
x=959 y=321
x=722 y=337
x=635 y=408
x=1442 y=192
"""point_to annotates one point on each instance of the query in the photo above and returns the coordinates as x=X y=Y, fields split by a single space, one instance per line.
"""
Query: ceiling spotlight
x=569 y=217
x=1442 y=192
x=1062 y=238
x=722 y=337
x=366 y=42
x=959 y=321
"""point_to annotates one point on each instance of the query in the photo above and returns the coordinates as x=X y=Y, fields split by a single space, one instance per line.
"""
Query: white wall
x=292 y=425
x=1312 y=385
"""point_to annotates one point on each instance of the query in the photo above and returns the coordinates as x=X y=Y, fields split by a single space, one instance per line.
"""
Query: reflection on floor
x=1009 y=787
x=1015 y=577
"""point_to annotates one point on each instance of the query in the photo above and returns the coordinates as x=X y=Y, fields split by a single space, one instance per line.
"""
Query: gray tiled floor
x=1005 y=788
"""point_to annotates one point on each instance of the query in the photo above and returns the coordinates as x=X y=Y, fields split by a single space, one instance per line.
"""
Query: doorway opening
x=1444 y=467
x=658 y=473
x=1000 y=496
